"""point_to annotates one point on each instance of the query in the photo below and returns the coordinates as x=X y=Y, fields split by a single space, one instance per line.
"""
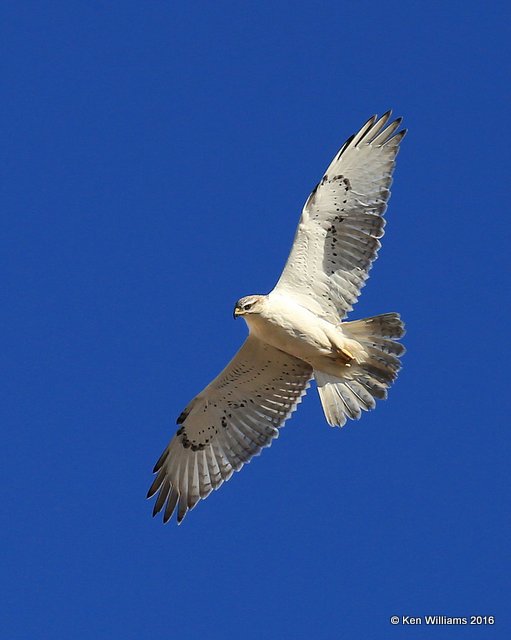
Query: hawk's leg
x=345 y=356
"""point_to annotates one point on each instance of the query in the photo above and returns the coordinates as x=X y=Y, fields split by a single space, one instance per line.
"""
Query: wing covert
x=338 y=234
x=227 y=424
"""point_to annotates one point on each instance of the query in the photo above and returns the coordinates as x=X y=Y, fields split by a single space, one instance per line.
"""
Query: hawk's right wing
x=227 y=424
x=338 y=235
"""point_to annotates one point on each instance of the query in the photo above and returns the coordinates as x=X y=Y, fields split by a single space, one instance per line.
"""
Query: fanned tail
x=359 y=386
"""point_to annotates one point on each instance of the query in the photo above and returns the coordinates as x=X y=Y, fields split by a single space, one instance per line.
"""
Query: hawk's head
x=248 y=304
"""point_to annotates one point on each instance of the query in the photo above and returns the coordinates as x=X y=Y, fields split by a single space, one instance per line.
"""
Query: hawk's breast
x=288 y=326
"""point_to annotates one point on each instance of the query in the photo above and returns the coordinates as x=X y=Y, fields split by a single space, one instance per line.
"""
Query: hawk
x=296 y=333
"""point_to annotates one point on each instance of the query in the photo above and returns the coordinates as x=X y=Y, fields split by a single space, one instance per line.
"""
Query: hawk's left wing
x=227 y=424
x=338 y=235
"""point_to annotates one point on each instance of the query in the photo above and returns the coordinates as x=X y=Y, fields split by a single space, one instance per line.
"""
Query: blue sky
x=156 y=157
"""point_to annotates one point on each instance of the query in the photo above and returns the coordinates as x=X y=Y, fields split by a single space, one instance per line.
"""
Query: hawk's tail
x=361 y=383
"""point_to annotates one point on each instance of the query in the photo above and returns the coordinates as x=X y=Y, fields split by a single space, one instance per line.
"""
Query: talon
x=346 y=357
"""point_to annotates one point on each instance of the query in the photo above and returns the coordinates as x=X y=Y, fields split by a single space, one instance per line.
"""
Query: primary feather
x=339 y=233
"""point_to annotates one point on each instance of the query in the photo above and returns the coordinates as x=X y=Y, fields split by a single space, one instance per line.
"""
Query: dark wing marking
x=227 y=424
x=342 y=221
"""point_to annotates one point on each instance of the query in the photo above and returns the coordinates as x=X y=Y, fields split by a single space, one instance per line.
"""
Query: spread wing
x=227 y=424
x=338 y=235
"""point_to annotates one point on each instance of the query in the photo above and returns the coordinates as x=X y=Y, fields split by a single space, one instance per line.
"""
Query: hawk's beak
x=236 y=312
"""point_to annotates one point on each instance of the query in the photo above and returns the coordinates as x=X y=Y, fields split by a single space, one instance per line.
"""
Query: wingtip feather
x=161 y=461
x=396 y=139
x=171 y=505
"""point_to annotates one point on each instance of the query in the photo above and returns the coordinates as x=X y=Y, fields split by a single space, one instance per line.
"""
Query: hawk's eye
x=247 y=306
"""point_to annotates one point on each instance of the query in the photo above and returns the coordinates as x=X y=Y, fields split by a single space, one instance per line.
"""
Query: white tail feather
x=358 y=386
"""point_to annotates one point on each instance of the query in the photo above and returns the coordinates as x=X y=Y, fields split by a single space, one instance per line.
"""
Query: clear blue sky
x=155 y=159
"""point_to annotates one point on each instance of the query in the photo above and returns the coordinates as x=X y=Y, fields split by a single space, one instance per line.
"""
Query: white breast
x=290 y=327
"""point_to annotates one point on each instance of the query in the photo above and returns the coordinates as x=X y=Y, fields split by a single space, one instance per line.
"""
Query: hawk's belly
x=291 y=328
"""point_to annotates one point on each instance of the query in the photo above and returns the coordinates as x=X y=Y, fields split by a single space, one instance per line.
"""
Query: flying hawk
x=296 y=333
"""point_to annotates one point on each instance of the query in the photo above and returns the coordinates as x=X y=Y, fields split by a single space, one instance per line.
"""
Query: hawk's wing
x=337 y=237
x=227 y=424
